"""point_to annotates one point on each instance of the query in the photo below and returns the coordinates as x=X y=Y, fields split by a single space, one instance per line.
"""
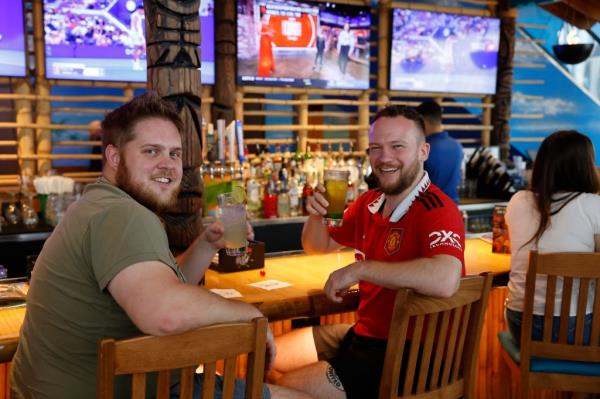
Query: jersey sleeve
x=442 y=232
x=125 y=235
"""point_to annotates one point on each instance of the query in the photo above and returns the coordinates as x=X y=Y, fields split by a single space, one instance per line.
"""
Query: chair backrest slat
x=163 y=384
x=450 y=347
x=141 y=355
x=441 y=325
x=138 y=386
x=208 y=386
x=439 y=353
x=565 y=309
x=595 y=331
x=229 y=378
x=582 y=300
x=549 y=307
x=186 y=384
x=466 y=312
x=411 y=366
x=428 y=348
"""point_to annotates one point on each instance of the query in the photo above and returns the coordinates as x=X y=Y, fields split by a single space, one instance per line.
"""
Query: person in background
x=345 y=45
x=107 y=271
x=95 y=134
x=559 y=213
x=406 y=233
x=445 y=154
x=266 y=61
x=320 y=46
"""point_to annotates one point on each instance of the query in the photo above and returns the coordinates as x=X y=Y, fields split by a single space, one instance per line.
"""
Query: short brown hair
x=394 y=111
x=117 y=126
x=431 y=112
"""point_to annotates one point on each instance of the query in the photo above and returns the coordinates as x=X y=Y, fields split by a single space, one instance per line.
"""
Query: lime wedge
x=238 y=194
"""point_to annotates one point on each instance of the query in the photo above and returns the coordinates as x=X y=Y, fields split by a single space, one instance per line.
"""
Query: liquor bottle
x=277 y=159
x=363 y=187
x=307 y=191
x=254 y=204
x=283 y=200
x=270 y=200
x=295 y=197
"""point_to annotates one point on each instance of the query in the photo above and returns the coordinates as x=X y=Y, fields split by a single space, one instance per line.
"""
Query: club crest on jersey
x=393 y=242
x=359 y=256
x=443 y=237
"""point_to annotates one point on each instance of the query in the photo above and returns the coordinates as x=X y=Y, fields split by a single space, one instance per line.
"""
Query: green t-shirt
x=69 y=308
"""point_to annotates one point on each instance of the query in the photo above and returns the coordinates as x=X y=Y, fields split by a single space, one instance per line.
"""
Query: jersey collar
x=403 y=206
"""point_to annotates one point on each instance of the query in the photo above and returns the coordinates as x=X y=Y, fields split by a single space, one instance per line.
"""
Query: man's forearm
x=196 y=259
x=438 y=276
x=315 y=236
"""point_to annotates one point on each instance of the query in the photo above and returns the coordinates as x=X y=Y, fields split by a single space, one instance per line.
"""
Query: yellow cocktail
x=336 y=186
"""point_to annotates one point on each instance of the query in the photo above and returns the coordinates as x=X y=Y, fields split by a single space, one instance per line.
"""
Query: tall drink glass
x=336 y=185
x=233 y=217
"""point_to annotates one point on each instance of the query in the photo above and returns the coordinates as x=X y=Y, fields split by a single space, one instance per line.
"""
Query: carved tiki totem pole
x=172 y=40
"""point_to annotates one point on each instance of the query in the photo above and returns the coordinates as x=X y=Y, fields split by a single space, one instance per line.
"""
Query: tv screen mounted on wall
x=12 y=39
x=105 y=40
x=445 y=53
x=303 y=44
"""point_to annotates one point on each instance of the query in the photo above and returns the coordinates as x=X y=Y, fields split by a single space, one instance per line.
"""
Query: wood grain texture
x=185 y=351
x=225 y=61
x=502 y=98
x=173 y=58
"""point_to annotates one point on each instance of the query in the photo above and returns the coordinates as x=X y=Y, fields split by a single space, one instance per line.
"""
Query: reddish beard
x=140 y=193
x=407 y=177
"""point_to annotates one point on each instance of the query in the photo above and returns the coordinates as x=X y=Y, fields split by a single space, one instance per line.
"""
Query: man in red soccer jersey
x=406 y=233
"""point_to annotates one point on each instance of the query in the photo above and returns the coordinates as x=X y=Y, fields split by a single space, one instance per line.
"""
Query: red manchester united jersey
x=425 y=223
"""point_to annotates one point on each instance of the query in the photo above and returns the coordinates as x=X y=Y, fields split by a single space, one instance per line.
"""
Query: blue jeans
x=238 y=389
x=513 y=318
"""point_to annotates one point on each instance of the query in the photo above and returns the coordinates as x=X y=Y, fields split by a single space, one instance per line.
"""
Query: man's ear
x=113 y=157
x=424 y=152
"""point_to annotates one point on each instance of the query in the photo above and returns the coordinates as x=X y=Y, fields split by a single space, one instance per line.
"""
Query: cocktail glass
x=336 y=186
x=233 y=216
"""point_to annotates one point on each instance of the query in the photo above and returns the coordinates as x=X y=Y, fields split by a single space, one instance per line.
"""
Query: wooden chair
x=559 y=365
x=443 y=362
x=141 y=355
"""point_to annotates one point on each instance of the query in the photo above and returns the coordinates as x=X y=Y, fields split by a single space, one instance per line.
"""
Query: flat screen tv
x=105 y=40
x=12 y=39
x=445 y=53
x=303 y=44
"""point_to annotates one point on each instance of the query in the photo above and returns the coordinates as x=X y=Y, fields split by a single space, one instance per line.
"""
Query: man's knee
x=328 y=338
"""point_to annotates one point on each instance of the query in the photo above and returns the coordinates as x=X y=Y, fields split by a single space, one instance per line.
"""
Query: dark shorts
x=358 y=360
x=238 y=389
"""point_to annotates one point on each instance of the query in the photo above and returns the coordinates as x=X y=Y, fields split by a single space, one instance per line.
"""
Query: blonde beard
x=406 y=179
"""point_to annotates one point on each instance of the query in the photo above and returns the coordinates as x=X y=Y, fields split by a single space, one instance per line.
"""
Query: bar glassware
x=233 y=216
x=336 y=186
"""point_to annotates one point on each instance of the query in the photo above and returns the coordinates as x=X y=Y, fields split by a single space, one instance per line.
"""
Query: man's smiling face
x=397 y=151
x=150 y=166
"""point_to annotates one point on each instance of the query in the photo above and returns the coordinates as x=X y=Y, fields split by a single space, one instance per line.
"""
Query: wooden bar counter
x=306 y=273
